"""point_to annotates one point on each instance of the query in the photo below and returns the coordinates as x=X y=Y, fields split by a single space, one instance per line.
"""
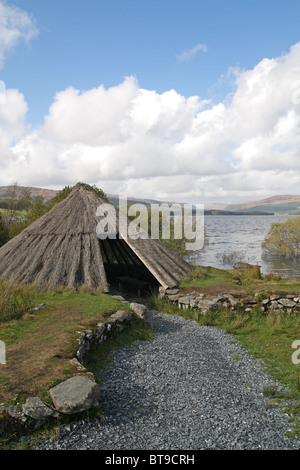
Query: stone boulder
x=139 y=309
x=287 y=302
x=173 y=291
x=75 y=395
x=120 y=316
x=36 y=409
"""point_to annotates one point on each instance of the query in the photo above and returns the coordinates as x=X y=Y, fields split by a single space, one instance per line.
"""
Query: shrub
x=284 y=238
x=38 y=207
x=272 y=277
x=4 y=234
x=197 y=273
x=253 y=272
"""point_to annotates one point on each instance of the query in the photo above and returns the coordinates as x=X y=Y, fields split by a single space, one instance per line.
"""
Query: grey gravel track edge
x=182 y=390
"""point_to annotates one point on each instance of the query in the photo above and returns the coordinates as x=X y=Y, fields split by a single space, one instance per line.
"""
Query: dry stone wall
x=290 y=303
x=91 y=338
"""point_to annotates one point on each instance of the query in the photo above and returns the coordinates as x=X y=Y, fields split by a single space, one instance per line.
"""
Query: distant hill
x=46 y=194
x=210 y=209
x=278 y=204
x=275 y=204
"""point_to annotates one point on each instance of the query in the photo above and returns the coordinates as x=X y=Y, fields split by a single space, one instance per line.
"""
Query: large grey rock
x=75 y=395
x=118 y=297
x=138 y=309
x=120 y=316
x=287 y=302
x=173 y=291
x=35 y=408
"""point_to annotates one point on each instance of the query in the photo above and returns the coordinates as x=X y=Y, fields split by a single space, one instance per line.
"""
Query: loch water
x=240 y=237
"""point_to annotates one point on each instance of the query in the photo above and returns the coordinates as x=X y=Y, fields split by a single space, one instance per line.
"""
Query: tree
x=60 y=196
x=19 y=197
x=38 y=208
x=284 y=238
x=101 y=193
x=4 y=234
x=34 y=212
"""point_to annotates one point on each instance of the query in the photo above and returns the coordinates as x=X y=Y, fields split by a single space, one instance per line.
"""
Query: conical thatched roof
x=62 y=248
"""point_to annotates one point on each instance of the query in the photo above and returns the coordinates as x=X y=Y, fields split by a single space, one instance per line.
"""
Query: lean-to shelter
x=62 y=248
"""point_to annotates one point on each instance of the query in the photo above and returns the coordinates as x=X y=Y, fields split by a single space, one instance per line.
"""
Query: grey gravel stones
x=184 y=389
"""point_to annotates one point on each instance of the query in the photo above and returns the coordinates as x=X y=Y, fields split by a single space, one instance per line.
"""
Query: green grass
x=40 y=344
x=15 y=300
x=207 y=277
x=96 y=361
x=241 y=281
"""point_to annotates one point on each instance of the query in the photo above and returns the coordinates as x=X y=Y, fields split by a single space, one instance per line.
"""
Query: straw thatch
x=62 y=248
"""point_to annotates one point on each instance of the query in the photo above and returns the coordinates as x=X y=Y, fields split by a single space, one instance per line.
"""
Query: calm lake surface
x=243 y=236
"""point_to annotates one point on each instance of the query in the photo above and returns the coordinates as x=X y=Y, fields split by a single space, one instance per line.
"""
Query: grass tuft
x=15 y=300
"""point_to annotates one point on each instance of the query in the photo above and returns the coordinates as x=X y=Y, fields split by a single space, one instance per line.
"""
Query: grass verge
x=15 y=300
x=40 y=344
x=96 y=361
x=212 y=281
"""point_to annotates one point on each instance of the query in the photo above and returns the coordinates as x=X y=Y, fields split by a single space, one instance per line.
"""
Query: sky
x=178 y=100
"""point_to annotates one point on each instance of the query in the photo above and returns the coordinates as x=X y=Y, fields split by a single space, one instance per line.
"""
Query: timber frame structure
x=62 y=248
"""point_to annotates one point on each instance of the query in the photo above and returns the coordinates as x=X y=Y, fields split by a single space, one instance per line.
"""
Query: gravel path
x=183 y=390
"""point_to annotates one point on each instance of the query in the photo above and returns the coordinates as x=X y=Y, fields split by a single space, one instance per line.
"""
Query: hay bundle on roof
x=62 y=248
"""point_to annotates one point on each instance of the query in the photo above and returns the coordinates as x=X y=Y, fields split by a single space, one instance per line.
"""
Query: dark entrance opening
x=124 y=270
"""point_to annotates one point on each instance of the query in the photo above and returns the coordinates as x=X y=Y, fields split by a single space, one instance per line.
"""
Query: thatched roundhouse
x=62 y=248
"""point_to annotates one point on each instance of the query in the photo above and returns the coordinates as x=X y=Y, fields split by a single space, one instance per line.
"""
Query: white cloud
x=16 y=25
x=191 y=53
x=116 y=133
x=134 y=141
x=12 y=128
